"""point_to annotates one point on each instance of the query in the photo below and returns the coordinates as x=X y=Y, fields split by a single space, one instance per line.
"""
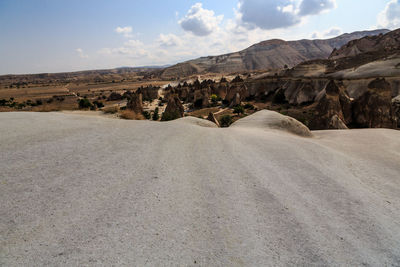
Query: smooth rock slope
x=83 y=191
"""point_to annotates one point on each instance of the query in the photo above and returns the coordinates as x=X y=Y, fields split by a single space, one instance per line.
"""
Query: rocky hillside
x=367 y=57
x=266 y=55
x=382 y=43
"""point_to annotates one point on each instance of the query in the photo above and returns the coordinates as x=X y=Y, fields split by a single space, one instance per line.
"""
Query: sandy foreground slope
x=83 y=190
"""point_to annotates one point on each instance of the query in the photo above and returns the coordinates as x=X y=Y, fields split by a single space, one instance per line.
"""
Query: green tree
x=226 y=121
x=84 y=103
x=156 y=116
x=239 y=109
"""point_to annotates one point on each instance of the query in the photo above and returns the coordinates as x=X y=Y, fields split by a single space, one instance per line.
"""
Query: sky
x=39 y=36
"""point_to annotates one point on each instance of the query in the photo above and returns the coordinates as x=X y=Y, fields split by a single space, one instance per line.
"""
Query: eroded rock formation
x=135 y=103
x=332 y=107
x=374 y=108
x=174 y=109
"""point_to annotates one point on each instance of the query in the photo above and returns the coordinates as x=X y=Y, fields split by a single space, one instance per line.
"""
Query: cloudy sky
x=68 y=35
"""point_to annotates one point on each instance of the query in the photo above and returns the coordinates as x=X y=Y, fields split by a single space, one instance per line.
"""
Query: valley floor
x=88 y=190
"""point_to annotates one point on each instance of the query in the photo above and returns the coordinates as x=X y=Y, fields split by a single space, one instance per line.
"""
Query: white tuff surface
x=83 y=191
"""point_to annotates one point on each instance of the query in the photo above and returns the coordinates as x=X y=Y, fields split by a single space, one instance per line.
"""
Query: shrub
x=249 y=106
x=3 y=102
x=146 y=115
x=84 y=103
x=238 y=109
x=21 y=105
x=170 y=116
x=110 y=110
x=39 y=102
x=225 y=121
x=128 y=115
x=156 y=116
x=215 y=98
x=98 y=104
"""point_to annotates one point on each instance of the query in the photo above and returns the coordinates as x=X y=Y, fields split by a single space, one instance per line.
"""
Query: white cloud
x=390 y=16
x=205 y=34
x=125 y=31
x=200 y=21
x=332 y=32
x=275 y=14
x=314 y=7
x=335 y=31
x=81 y=54
x=268 y=14
x=131 y=48
x=169 y=40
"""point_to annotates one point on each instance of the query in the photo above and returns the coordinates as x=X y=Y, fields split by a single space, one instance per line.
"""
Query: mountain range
x=270 y=54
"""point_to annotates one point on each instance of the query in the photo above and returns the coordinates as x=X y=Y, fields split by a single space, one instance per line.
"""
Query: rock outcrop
x=201 y=98
x=135 y=103
x=174 y=110
x=236 y=94
x=374 y=108
x=149 y=93
x=396 y=109
x=332 y=108
x=270 y=120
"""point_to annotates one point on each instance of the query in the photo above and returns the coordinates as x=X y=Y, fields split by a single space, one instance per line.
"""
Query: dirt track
x=84 y=190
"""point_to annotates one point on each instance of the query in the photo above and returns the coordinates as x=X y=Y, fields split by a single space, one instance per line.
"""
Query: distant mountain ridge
x=265 y=55
x=382 y=43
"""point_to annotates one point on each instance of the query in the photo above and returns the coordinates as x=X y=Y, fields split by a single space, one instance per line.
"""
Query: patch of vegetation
x=215 y=98
x=249 y=106
x=84 y=103
x=239 y=109
x=170 y=116
x=225 y=121
x=98 y=104
x=156 y=116
x=21 y=105
x=128 y=115
x=146 y=115
x=111 y=110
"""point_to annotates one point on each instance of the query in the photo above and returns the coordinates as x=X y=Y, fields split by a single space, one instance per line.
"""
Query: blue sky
x=68 y=35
